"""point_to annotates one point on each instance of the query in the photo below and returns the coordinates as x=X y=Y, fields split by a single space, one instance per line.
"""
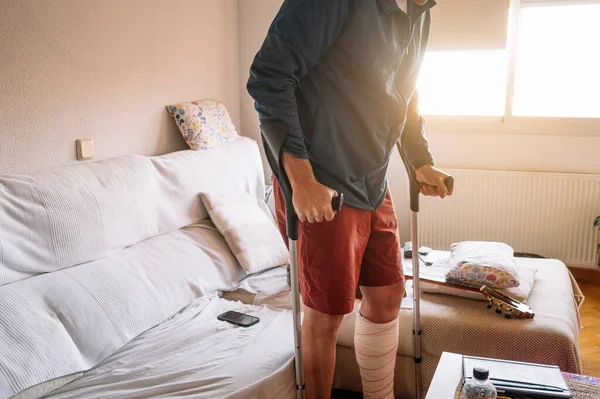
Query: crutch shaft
x=292 y=230
x=417 y=305
x=296 y=311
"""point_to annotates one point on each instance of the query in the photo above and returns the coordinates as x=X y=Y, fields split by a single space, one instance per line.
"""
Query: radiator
x=549 y=214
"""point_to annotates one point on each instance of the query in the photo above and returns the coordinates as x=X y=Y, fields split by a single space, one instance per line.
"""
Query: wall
x=255 y=17
x=451 y=150
x=106 y=69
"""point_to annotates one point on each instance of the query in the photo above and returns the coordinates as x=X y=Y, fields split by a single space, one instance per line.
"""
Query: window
x=463 y=83
x=551 y=69
x=558 y=62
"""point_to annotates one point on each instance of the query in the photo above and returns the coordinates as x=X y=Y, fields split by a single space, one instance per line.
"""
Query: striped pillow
x=249 y=231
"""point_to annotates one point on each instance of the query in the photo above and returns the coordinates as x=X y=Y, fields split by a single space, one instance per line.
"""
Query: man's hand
x=311 y=199
x=312 y=202
x=434 y=181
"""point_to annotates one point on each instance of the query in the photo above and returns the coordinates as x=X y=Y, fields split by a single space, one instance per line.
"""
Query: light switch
x=85 y=149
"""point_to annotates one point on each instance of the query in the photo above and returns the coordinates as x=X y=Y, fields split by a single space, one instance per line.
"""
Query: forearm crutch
x=273 y=136
x=414 y=190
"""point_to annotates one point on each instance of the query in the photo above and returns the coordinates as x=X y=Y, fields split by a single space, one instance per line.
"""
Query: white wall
x=255 y=17
x=529 y=152
x=106 y=69
x=475 y=151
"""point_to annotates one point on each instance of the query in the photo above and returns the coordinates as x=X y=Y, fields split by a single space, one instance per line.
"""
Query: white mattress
x=193 y=355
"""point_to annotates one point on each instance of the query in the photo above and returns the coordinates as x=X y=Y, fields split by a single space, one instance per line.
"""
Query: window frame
x=509 y=123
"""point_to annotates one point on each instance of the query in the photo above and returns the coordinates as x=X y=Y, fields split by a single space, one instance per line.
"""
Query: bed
x=193 y=355
x=93 y=255
x=460 y=325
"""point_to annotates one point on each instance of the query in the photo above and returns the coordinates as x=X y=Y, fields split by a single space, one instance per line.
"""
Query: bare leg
x=381 y=304
x=319 y=337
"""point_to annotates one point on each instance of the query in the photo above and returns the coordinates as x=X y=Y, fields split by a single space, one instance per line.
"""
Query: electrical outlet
x=85 y=149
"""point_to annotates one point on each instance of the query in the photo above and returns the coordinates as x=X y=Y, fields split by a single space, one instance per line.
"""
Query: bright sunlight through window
x=557 y=71
x=558 y=62
x=463 y=83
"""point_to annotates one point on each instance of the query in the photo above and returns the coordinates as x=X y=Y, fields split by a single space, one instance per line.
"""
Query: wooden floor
x=589 y=337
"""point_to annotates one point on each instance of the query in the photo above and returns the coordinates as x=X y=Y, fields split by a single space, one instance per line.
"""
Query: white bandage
x=376 y=346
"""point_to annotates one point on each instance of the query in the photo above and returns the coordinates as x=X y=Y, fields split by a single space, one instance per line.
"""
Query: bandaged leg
x=376 y=346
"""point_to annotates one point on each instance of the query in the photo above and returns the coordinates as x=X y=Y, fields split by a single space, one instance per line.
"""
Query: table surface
x=449 y=373
x=446 y=377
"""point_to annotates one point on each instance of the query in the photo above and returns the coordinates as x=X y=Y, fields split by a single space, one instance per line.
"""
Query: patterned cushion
x=441 y=266
x=489 y=263
x=203 y=124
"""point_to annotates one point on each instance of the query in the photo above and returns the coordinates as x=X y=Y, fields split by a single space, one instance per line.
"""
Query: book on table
x=518 y=379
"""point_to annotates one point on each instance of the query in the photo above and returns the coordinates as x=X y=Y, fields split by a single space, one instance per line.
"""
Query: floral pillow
x=203 y=124
x=479 y=262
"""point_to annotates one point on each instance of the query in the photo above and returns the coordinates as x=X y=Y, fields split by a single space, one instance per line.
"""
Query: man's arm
x=418 y=153
x=297 y=41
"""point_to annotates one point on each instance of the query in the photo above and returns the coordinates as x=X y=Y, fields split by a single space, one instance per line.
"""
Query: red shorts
x=358 y=247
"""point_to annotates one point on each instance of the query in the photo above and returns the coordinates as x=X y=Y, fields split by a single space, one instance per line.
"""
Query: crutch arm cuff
x=414 y=187
x=273 y=136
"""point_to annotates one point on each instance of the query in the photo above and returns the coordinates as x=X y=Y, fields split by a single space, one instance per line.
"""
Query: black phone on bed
x=238 y=319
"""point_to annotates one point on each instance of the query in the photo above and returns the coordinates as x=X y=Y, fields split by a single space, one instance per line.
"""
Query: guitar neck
x=464 y=284
x=515 y=307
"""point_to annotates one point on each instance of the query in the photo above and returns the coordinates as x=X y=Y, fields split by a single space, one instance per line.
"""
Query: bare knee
x=382 y=304
x=321 y=325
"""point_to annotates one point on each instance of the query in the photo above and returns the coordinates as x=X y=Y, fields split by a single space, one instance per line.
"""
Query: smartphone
x=239 y=319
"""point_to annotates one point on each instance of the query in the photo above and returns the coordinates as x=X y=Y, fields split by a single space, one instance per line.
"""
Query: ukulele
x=510 y=307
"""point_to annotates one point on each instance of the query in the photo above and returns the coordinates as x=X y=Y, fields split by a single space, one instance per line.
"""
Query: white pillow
x=249 y=231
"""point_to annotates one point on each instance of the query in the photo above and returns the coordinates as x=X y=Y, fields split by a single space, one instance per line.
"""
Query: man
x=340 y=77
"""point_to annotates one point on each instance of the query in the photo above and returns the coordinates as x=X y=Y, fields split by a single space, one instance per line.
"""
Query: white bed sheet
x=268 y=287
x=67 y=321
x=193 y=355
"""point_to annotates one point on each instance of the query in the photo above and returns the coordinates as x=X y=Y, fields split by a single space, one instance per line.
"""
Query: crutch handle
x=449 y=183
x=337 y=202
x=415 y=185
x=273 y=135
x=291 y=218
